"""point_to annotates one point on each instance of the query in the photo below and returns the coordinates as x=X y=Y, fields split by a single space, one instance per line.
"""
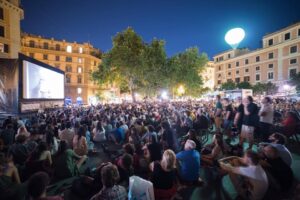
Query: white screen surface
x=41 y=83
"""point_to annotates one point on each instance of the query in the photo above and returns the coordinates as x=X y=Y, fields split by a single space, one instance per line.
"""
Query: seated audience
x=110 y=189
x=37 y=186
x=99 y=133
x=163 y=176
x=215 y=151
x=22 y=131
x=189 y=162
x=67 y=134
x=79 y=142
x=19 y=150
x=247 y=175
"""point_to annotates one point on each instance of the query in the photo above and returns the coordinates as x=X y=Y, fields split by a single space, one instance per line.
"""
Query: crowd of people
x=167 y=143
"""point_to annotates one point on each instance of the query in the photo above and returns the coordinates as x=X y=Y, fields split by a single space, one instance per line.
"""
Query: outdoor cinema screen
x=41 y=83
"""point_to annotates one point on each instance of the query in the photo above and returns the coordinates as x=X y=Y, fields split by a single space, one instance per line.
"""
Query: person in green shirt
x=218 y=113
x=67 y=162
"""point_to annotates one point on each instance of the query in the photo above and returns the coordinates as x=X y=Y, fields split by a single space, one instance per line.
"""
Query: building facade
x=275 y=62
x=208 y=75
x=10 y=16
x=77 y=60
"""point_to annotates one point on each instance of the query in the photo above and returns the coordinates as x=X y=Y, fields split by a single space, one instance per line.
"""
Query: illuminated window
x=80 y=60
x=79 y=79
x=79 y=69
x=2 y=31
x=79 y=90
x=69 y=49
x=1 y=13
x=31 y=43
x=80 y=50
x=57 y=47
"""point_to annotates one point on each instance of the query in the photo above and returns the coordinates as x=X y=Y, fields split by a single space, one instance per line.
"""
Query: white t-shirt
x=269 y=114
x=258 y=179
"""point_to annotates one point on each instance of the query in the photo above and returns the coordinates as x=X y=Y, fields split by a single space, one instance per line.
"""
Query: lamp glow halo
x=234 y=36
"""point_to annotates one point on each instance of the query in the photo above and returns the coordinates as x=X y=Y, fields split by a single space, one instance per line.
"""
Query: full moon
x=234 y=36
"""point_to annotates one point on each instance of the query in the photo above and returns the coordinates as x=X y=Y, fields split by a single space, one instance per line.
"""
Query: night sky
x=181 y=23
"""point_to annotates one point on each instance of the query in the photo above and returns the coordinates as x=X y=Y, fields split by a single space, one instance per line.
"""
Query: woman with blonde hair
x=164 y=176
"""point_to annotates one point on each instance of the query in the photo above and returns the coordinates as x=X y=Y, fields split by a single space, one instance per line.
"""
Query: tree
x=295 y=81
x=244 y=85
x=264 y=88
x=229 y=85
x=184 y=69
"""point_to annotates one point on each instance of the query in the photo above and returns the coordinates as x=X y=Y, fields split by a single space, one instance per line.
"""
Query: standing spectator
x=169 y=137
x=250 y=120
x=229 y=116
x=23 y=131
x=239 y=116
x=8 y=135
x=218 y=113
x=266 y=114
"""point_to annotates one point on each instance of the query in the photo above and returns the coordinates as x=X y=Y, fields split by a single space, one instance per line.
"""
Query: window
x=270 y=66
x=237 y=72
x=68 y=78
x=79 y=90
x=257 y=58
x=229 y=73
x=292 y=72
x=271 y=55
x=270 y=75
x=80 y=50
x=299 y=32
x=219 y=76
x=293 y=61
x=247 y=79
x=69 y=49
x=246 y=70
x=228 y=55
x=229 y=66
x=221 y=58
x=31 y=55
x=229 y=80
x=237 y=64
x=68 y=68
x=57 y=58
x=287 y=36
x=270 y=42
x=237 y=80
x=257 y=68
x=257 y=77
x=79 y=69
x=31 y=43
x=57 y=47
x=80 y=60
x=217 y=59
x=1 y=13
x=2 y=34
x=246 y=61
x=68 y=59
x=293 y=49
x=6 y=48
x=45 y=56
x=95 y=63
x=219 y=82
x=79 y=79
x=220 y=68
x=46 y=45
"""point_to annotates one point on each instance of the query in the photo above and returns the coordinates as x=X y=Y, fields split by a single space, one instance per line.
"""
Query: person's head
x=277 y=138
x=266 y=100
x=168 y=161
x=165 y=125
x=151 y=129
x=127 y=161
x=99 y=126
x=248 y=99
x=218 y=97
x=42 y=146
x=37 y=185
x=226 y=101
x=63 y=146
x=68 y=124
x=21 y=139
x=129 y=148
x=270 y=152
x=239 y=100
x=189 y=145
x=251 y=157
x=9 y=126
x=81 y=132
x=109 y=175
x=192 y=134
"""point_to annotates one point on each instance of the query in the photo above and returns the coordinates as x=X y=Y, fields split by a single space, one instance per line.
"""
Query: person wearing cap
x=189 y=161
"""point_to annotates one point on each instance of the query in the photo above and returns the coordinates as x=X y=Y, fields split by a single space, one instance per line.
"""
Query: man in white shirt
x=266 y=114
x=248 y=178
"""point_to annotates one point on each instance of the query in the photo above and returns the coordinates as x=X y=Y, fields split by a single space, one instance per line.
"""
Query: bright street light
x=286 y=87
x=234 y=36
x=180 y=90
x=164 y=95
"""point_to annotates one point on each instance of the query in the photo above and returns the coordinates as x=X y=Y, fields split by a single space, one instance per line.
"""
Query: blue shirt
x=189 y=165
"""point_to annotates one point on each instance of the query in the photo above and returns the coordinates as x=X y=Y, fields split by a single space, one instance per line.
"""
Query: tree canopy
x=136 y=66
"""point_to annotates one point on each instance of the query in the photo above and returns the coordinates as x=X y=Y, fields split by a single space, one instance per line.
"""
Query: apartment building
x=275 y=62
x=208 y=75
x=10 y=16
x=77 y=60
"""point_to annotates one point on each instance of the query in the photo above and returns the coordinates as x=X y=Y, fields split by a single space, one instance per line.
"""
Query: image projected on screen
x=41 y=83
